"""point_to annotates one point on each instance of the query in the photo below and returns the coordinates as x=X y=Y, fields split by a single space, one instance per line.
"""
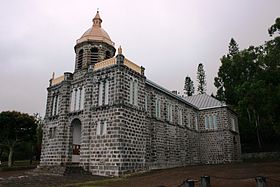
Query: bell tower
x=94 y=46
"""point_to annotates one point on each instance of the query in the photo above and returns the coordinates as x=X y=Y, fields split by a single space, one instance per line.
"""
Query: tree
x=188 y=87
x=248 y=80
x=233 y=47
x=201 y=78
x=220 y=89
x=16 y=128
x=275 y=27
x=39 y=135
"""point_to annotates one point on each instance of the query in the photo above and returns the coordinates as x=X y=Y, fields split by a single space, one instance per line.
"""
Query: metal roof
x=164 y=90
x=200 y=101
x=204 y=101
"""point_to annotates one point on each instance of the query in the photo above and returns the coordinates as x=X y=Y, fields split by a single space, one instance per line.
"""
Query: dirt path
x=241 y=175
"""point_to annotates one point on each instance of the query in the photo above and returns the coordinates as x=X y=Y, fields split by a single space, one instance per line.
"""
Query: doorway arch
x=76 y=140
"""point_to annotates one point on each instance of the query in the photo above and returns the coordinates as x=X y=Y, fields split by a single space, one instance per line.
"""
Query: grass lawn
x=18 y=164
x=227 y=175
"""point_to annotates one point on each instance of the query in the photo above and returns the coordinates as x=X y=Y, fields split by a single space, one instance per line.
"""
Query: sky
x=168 y=38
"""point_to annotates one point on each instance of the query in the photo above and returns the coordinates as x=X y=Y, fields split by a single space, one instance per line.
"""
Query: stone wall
x=136 y=138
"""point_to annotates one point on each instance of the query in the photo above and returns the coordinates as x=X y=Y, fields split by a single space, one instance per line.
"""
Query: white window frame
x=196 y=122
x=131 y=91
x=210 y=121
x=72 y=101
x=233 y=124
x=135 y=92
x=100 y=93
x=101 y=128
x=77 y=99
x=180 y=117
x=171 y=113
x=82 y=101
x=158 y=112
x=215 y=121
x=146 y=103
x=206 y=122
x=106 y=100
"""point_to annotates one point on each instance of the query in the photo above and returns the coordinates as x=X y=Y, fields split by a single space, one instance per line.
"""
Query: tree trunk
x=11 y=152
x=257 y=129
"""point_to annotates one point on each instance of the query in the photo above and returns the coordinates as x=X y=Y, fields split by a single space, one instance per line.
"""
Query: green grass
x=18 y=165
x=97 y=183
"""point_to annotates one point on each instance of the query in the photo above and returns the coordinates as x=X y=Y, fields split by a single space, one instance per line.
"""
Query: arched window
x=107 y=55
x=93 y=55
x=80 y=59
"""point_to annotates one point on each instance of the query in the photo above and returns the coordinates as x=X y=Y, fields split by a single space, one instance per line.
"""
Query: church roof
x=204 y=101
x=200 y=102
x=164 y=90
x=96 y=32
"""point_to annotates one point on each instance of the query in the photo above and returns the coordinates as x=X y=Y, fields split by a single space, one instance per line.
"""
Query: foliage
x=188 y=87
x=201 y=78
x=16 y=128
x=249 y=81
x=39 y=135
x=275 y=27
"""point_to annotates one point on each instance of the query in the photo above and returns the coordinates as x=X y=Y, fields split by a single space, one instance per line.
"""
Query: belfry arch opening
x=107 y=55
x=80 y=59
x=76 y=140
x=93 y=55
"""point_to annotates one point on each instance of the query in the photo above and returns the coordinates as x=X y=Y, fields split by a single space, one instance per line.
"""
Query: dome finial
x=120 y=50
x=97 y=20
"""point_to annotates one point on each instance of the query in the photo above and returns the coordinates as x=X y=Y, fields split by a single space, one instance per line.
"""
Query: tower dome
x=96 y=33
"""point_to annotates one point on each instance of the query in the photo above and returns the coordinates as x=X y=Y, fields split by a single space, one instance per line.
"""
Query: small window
x=169 y=113
x=180 y=117
x=189 y=120
x=100 y=94
x=157 y=108
x=82 y=100
x=133 y=92
x=233 y=125
x=80 y=59
x=52 y=132
x=101 y=128
x=215 y=121
x=196 y=122
x=106 y=102
x=206 y=122
x=146 y=103
x=210 y=120
x=55 y=105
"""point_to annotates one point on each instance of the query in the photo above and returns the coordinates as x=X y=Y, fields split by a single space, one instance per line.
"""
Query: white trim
x=131 y=92
x=100 y=94
x=106 y=92
x=98 y=128
x=82 y=98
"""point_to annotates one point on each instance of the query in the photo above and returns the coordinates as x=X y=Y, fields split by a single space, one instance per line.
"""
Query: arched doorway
x=76 y=140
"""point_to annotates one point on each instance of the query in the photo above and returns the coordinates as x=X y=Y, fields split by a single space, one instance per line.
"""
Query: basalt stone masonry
x=110 y=120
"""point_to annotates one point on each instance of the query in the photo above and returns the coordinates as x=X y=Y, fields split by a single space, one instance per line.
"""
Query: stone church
x=108 y=118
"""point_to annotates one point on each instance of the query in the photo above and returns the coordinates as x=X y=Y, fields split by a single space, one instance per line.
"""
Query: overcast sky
x=168 y=38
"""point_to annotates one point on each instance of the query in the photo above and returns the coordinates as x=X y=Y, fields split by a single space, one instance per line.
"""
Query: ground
x=239 y=174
